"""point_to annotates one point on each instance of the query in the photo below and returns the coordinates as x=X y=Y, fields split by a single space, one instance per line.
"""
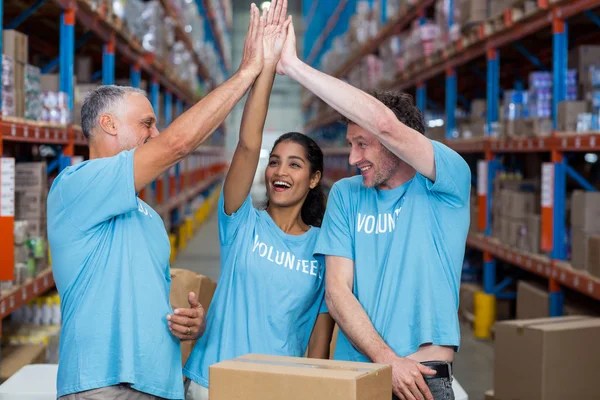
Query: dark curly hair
x=313 y=209
x=403 y=107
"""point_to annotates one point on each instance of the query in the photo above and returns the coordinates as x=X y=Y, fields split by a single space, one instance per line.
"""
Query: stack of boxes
x=516 y=214
x=15 y=47
x=31 y=192
x=8 y=87
x=475 y=126
x=585 y=231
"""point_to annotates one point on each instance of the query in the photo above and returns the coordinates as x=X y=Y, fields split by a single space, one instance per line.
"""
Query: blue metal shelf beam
x=527 y=54
x=136 y=76
x=67 y=53
x=450 y=103
x=421 y=96
x=25 y=14
x=108 y=63
x=493 y=88
x=80 y=42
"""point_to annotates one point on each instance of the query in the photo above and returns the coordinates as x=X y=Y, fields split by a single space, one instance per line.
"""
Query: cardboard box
x=533 y=301
x=16 y=357
x=546 y=359
x=514 y=128
x=593 y=257
x=568 y=112
x=585 y=211
x=83 y=69
x=49 y=83
x=533 y=233
x=583 y=58
x=262 y=377
x=478 y=110
x=334 y=336
x=183 y=282
x=15 y=45
x=522 y=204
x=579 y=249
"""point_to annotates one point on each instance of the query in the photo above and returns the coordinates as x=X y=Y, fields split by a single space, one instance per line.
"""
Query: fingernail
x=170 y=324
x=176 y=311
x=168 y=317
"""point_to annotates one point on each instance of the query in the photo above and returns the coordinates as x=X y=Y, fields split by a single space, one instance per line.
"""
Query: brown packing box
x=593 y=258
x=585 y=211
x=83 y=69
x=532 y=301
x=506 y=202
x=515 y=228
x=547 y=359
x=582 y=58
x=16 y=357
x=478 y=127
x=438 y=133
x=568 y=112
x=334 y=337
x=15 y=45
x=579 y=249
x=505 y=226
x=261 y=377
x=183 y=282
x=49 y=83
x=478 y=110
x=521 y=204
x=533 y=233
x=31 y=176
x=539 y=127
x=514 y=128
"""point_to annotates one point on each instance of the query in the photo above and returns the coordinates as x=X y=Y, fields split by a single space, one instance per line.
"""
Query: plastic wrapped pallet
x=8 y=90
x=33 y=102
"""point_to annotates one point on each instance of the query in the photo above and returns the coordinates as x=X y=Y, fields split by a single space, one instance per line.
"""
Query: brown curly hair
x=403 y=107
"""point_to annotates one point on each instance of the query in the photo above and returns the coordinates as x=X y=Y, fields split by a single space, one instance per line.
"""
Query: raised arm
x=245 y=159
x=188 y=131
x=361 y=108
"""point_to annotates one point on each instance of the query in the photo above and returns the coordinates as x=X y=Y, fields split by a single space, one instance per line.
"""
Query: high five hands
x=270 y=41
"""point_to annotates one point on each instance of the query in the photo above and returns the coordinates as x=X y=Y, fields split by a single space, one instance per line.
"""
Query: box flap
x=568 y=325
x=524 y=323
x=300 y=366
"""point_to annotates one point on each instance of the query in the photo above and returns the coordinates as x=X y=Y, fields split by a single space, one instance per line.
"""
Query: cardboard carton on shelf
x=583 y=58
x=533 y=233
x=593 y=256
x=585 y=211
x=478 y=109
x=262 y=377
x=568 y=114
x=15 y=45
x=546 y=359
x=532 y=301
x=183 y=282
x=579 y=249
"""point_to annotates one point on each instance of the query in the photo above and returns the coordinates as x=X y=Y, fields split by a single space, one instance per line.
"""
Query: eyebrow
x=294 y=157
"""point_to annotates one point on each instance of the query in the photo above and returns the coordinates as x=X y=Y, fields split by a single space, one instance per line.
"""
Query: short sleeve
x=229 y=225
x=98 y=190
x=335 y=237
x=452 y=176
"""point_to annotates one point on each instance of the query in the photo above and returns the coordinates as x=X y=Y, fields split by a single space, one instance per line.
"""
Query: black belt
x=442 y=369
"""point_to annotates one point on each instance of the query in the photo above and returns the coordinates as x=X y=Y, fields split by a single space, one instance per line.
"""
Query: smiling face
x=376 y=163
x=288 y=175
x=135 y=121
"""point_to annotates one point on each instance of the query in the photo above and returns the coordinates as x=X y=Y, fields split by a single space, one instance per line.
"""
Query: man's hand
x=276 y=27
x=407 y=379
x=253 y=58
x=188 y=323
x=288 y=54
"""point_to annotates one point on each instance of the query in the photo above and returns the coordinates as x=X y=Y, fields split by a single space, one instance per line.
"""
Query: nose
x=155 y=133
x=354 y=157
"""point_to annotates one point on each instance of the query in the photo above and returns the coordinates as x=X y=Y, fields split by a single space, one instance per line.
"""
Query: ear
x=108 y=124
x=315 y=179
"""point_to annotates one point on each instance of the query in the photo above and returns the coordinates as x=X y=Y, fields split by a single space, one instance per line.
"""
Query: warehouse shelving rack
x=198 y=175
x=486 y=40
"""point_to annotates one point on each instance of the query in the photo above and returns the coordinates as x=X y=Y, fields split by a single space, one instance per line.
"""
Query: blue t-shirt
x=407 y=245
x=270 y=292
x=110 y=254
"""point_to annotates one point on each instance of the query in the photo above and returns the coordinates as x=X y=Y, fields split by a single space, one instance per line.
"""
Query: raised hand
x=253 y=58
x=288 y=54
x=188 y=323
x=275 y=31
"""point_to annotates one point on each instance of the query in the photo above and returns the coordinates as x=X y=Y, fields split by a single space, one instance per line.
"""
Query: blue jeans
x=440 y=387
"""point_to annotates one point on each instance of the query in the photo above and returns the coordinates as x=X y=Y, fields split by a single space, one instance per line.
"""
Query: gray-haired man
x=111 y=251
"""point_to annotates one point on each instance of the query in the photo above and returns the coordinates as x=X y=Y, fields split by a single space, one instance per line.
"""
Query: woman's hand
x=275 y=31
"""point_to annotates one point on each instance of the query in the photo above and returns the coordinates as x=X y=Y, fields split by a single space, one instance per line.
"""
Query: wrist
x=385 y=356
x=247 y=74
x=292 y=66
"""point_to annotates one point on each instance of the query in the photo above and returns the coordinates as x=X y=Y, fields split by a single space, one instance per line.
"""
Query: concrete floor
x=473 y=366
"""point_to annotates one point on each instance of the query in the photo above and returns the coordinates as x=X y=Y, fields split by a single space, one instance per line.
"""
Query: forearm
x=353 y=103
x=200 y=121
x=356 y=325
x=320 y=339
x=256 y=108
x=245 y=159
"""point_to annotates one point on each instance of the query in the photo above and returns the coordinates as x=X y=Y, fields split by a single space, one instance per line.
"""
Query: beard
x=386 y=165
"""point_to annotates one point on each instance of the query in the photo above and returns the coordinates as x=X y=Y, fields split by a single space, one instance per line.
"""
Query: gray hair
x=102 y=100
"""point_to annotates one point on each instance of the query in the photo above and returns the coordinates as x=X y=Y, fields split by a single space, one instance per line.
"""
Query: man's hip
x=440 y=385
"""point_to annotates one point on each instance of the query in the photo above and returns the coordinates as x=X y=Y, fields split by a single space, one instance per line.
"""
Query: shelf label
x=547 y=184
x=577 y=143
x=23 y=294
x=37 y=132
x=13 y=130
x=45 y=281
x=35 y=287
x=46 y=133
x=2 y=308
x=11 y=302
x=592 y=141
x=482 y=177
x=25 y=131
x=7 y=187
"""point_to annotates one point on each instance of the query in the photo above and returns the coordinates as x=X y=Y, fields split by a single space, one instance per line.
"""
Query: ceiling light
x=591 y=158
